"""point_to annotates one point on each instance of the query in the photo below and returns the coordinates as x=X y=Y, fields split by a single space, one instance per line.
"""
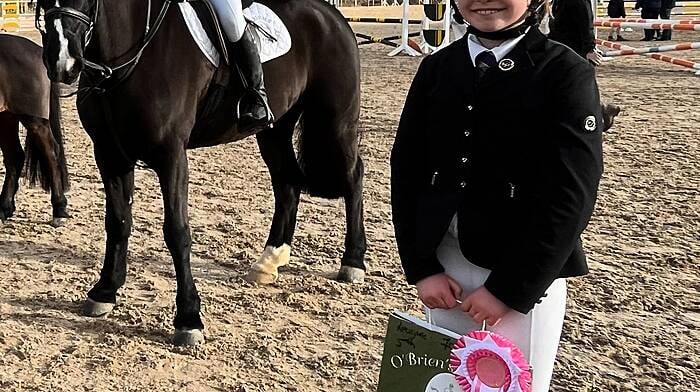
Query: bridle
x=57 y=12
x=90 y=21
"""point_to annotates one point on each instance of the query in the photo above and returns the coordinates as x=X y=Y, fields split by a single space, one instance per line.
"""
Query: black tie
x=484 y=61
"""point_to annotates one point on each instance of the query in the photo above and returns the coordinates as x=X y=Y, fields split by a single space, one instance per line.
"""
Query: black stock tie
x=484 y=61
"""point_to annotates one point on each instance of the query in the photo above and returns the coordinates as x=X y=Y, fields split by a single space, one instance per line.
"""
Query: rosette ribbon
x=483 y=361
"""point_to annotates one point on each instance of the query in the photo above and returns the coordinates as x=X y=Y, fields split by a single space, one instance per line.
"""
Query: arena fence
x=16 y=16
x=435 y=29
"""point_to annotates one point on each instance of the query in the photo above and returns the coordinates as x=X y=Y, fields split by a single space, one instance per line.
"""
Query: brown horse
x=151 y=84
x=27 y=97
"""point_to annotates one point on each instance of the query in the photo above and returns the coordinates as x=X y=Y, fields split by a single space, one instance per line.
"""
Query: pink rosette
x=484 y=361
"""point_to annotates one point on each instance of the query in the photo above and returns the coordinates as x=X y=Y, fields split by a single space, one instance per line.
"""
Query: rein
x=106 y=72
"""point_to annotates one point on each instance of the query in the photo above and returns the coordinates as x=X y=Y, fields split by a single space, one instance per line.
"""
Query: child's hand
x=595 y=57
x=482 y=305
x=439 y=291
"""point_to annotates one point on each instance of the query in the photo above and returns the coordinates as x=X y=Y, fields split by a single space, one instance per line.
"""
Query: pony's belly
x=212 y=136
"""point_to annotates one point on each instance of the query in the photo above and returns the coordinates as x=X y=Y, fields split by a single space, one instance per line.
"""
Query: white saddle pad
x=270 y=47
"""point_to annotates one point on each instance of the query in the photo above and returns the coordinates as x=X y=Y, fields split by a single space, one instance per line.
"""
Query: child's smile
x=487 y=11
x=492 y=15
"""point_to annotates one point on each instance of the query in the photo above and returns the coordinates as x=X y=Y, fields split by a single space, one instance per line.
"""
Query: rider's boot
x=252 y=109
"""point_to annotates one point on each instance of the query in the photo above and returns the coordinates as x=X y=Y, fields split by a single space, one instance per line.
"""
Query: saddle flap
x=272 y=38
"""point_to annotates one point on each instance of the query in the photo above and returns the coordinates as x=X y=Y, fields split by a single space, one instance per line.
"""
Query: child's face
x=492 y=15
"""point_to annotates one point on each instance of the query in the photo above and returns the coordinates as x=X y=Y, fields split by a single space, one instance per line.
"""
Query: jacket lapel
x=514 y=70
x=506 y=78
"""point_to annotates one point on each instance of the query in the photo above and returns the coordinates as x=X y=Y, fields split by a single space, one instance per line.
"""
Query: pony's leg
x=333 y=168
x=173 y=177
x=277 y=151
x=352 y=265
x=119 y=190
x=39 y=133
x=13 y=158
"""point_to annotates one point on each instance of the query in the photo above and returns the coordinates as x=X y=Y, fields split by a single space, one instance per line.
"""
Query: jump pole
x=667 y=21
x=656 y=49
x=369 y=39
x=656 y=56
x=659 y=26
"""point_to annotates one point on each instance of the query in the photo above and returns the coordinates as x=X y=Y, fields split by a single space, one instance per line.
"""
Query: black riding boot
x=252 y=109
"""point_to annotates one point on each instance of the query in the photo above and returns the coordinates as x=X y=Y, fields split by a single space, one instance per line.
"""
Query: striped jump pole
x=667 y=21
x=668 y=59
x=368 y=39
x=657 y=49
x=656 y=26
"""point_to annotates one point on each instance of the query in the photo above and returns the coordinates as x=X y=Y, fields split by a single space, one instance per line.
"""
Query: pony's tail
x=37 y=167
x=329 y=158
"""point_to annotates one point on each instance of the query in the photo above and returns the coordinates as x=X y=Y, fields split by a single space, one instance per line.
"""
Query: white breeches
x=231 y=14
x=536 y=333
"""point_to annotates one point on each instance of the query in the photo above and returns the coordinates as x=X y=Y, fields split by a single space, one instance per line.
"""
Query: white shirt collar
x=500 y=51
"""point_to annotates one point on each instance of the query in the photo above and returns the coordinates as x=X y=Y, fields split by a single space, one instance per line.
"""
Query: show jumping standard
x=28 y=97
x=144 y=97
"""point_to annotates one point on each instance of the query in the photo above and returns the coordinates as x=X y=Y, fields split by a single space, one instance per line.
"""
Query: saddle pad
x=274 y=41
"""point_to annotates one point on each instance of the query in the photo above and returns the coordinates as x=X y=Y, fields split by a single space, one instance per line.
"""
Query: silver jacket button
x=467 y=133
x=465 y=159
x=462 y=184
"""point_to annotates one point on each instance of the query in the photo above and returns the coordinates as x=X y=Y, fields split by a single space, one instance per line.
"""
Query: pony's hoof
x=260 y=277
x=5 y=215
x=93 y=308
x=351 y=274
x=58 y=222
x=188 y=337
x=265 y=270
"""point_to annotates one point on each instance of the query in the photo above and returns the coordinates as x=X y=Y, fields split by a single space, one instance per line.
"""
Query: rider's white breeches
x=536 y=333
x=231 y=14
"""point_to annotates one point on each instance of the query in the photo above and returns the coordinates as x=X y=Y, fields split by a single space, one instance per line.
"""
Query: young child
x=616 y=9
x=495 y=171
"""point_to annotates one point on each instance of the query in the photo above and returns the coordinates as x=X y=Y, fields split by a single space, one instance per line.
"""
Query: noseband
x=72 y=12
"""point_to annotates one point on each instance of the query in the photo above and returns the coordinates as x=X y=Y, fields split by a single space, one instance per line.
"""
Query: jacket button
x=467 y=133
x=465 y=159
x=463 y=184
x=470 y=107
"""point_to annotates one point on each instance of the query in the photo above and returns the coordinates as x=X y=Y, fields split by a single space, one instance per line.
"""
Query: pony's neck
x=121 y=26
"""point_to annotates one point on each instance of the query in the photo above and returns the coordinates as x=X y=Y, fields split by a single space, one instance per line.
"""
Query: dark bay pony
x=152 y=116
x=27 y=97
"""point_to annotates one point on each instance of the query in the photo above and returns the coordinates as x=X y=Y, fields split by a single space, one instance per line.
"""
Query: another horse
x=150 y=110
x=28 y=97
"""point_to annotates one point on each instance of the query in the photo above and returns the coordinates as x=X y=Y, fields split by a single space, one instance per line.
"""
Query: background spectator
x=650 y=10
x=616 y=9
x=666 y=8
x=572 y=25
